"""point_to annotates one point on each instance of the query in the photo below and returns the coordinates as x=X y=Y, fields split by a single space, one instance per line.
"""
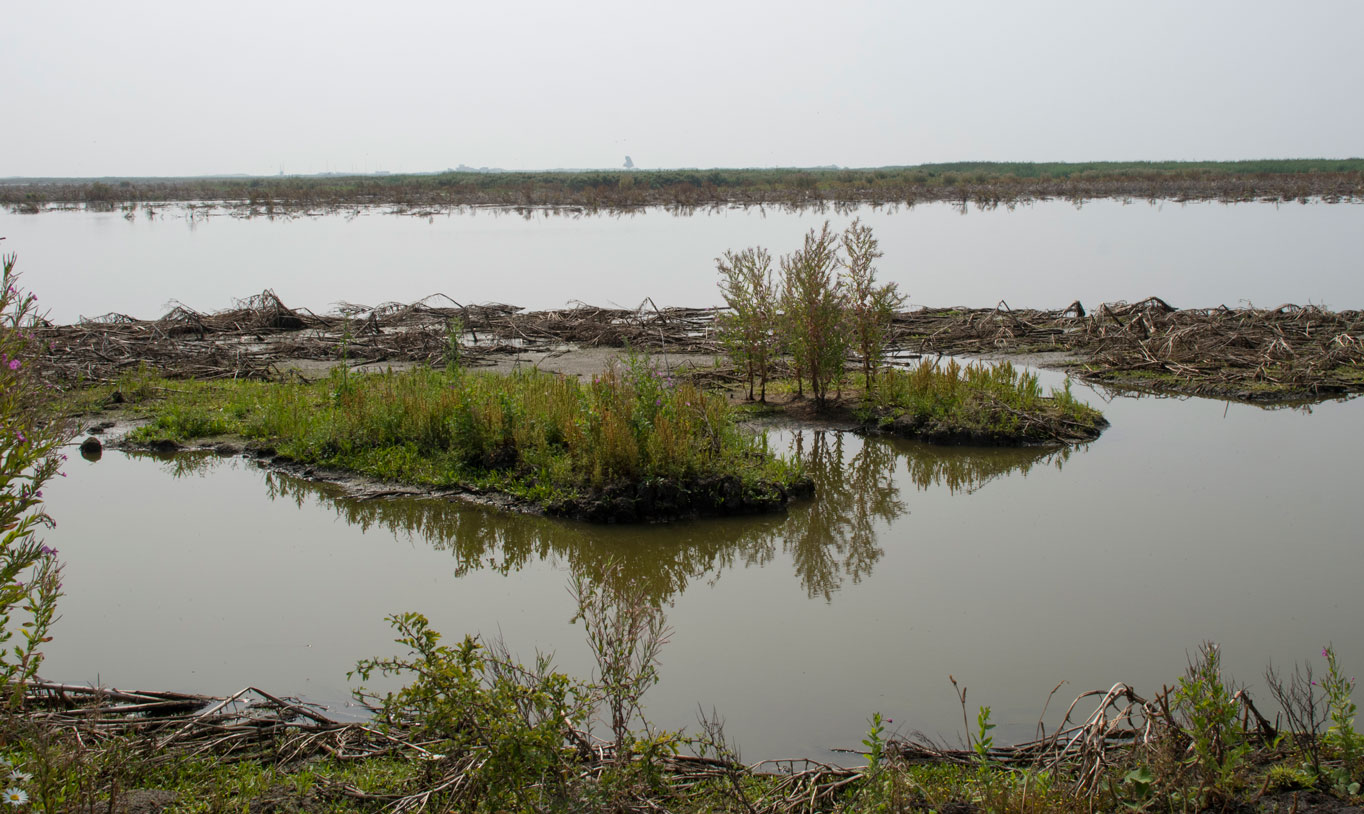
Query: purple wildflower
x=14 y=364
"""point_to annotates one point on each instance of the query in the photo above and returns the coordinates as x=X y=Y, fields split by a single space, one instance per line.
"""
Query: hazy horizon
x=160 y=89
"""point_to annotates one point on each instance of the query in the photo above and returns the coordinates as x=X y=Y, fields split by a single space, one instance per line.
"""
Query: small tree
x=871 y=308
x=30 y=576
x=747 y=331
x=814 y=301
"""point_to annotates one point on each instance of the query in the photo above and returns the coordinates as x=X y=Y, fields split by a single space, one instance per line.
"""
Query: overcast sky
x=185 y=88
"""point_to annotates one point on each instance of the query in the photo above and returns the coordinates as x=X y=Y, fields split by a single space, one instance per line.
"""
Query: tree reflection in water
x=831 y=539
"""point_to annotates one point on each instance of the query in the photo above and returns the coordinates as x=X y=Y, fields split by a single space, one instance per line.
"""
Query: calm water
x=1012 y=570
x=1043 y=255
x=1187 y=520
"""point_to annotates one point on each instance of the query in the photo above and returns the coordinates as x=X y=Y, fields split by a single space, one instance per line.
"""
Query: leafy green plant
x=1341 y=736
x=1138 y=789
x=875 y=743
x=984 y=740
x=511 y=731
x=1208 y=708
x=30 y=575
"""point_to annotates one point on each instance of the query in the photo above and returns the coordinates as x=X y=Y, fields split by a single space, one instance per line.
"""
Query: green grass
x=995 y=403
x=540 y=437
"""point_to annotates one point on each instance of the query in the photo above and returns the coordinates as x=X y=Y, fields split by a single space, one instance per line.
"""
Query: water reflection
x=831 y=540
x=858 y=490
x=1111 y=391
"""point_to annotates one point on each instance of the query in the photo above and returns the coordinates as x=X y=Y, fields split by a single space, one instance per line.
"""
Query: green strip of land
x=977 y=181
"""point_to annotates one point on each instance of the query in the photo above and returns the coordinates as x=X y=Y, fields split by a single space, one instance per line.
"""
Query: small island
x=635 y=440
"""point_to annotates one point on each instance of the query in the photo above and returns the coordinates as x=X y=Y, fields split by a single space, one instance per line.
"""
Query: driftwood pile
x=1288 y=352
x=1249 y=353
x=251 y=724
x=254 y=725
x=259 y=336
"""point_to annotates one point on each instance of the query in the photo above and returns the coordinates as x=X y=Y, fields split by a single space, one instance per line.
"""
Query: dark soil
x=657 y=500
x=654 y=500
x=840 y=414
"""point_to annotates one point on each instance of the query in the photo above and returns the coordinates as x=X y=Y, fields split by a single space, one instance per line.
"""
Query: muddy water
x=1043 y=255
x=1011 y=570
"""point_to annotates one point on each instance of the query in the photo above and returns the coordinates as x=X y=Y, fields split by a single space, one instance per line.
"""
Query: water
x=1009 y=569
x=1043 y=255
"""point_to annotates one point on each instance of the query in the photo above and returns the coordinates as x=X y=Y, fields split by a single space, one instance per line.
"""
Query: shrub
x=30 y=575
x=871 y=308
x=1207 y=707
x=813 y=303
x=510 y=731
x=747 y=331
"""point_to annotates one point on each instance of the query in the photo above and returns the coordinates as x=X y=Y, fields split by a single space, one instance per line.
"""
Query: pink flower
x=14 y=364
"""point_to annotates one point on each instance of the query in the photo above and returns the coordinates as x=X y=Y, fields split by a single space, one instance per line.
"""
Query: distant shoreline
x=977 y=183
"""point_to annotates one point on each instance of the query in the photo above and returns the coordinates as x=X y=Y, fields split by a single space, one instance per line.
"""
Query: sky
x=190 y=88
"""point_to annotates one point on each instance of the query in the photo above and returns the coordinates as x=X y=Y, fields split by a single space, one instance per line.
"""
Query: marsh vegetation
x=982 y=183
x=631 y=444
x=473 y=729
x=1196 y=746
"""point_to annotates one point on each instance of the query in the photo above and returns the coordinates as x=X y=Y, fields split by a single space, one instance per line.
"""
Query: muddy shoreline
x=651 y=500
